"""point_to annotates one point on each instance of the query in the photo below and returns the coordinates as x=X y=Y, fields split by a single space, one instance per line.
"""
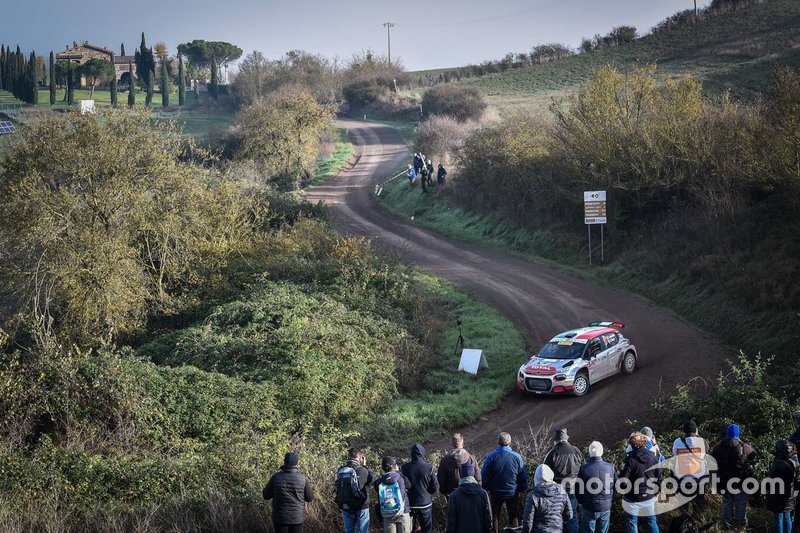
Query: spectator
x=640 y=499
x=733 y=466
x=595 y=491
x=289 y=491
x=468 y=508
x=354 y=515
x=652 y=445
x=690 y=462
x=448 y=473
x=423 y=178
x=417 y=162
x=505 y=478
x=412 y=175
x=565 y=461
x=429 y=168
x=393 y=503
x=547 y=507
x=441 y=174
x=782 y=501
x=422 y=483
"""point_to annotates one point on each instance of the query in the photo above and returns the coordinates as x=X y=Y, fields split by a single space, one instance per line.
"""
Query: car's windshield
x=561 y=350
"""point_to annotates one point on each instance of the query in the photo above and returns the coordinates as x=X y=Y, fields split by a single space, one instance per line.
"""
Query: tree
x=149 y=88
x=181 y=83
x=131 y=86
x=70 y=84
x=122 y=49
x=165 y=88
x=160 y=50
x=214 y=88
x=96 y=71
x=252 y=81
x=145 y=64
x=52 y=79
x=33 y=80
x=462 y=103
x=282 y=134
x=200 y=53
x=114 y=89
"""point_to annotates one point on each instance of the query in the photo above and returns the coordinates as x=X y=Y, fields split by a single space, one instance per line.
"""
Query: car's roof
x=582 y=335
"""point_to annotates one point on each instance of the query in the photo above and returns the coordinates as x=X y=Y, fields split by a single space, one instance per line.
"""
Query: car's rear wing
x=617 y=325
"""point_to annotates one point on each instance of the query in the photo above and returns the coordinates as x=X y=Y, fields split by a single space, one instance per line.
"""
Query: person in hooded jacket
x=357 y=520
x=468 y=508
x=448 y=473
x=782 y=502
x=640 y=500
x=596 y=490
x=441 y=174
x=565 y=461
x=429 y=167
x=733 y=458
x=391 y=474
x=289 y=491
x=547 y=506
x=422 y=484
x=505 y=478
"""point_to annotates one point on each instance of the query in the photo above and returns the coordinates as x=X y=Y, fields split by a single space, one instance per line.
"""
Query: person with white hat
x=595 y=488
x=547 y=506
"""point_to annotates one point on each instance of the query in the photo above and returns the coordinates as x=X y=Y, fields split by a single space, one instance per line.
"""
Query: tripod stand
x=460 y=341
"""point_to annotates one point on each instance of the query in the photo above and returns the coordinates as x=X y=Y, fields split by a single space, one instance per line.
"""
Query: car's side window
x=611 y=339
x=595 y=347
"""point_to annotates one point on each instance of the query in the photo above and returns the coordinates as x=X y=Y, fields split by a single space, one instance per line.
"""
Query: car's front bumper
x=544 y=384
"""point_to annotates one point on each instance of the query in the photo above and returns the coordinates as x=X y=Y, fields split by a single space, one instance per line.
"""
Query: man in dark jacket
x=595 y=491
x=640 y=500
x=547 y=507
x=423 y=483
x=782 y=501
x=468 y=508
x=565 y=461
x=357 y=520
x=441 y=174
x=448 y=473
x=289 y=491
x=505 y=478
x=401 y=523
x=733 y=466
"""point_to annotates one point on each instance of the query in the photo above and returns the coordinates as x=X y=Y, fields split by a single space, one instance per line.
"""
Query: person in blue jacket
x=597 y=479
x=505 y=478
x=412 y=175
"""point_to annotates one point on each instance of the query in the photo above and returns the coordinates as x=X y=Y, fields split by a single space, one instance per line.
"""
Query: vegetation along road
x=540 y=301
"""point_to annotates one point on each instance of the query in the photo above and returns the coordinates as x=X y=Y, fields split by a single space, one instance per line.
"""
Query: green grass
x=733 y=51
x=330 y=166
x=458 y=397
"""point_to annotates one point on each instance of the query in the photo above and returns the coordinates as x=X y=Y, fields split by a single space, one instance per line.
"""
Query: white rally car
x=574 y=360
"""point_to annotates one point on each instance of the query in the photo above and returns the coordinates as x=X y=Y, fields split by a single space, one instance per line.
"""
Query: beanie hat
x=733 y=432
x=467 y=469
x=290 y=459
x=647 y=432
x=690 y=426
x=560 y=435
x=544 y=474
x=388 y=462
x=595 y=449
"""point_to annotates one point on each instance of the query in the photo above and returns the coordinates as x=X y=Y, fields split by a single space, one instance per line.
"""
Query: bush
x=441 y=136
x=462 y=103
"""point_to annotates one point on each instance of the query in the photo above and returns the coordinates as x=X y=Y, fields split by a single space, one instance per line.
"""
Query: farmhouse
x=80 y=53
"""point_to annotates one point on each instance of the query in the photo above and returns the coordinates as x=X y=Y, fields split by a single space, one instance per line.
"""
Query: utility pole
x=389 y=26
x=695 y=10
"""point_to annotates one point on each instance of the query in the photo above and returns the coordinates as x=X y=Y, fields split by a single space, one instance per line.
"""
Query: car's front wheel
x=629 y=363
x=581 y=384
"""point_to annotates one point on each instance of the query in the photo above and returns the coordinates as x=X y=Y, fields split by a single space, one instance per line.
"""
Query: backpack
x=390 y=500
x=348 y=494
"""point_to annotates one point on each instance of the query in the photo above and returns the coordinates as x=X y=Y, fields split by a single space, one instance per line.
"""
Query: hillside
x=733 y=51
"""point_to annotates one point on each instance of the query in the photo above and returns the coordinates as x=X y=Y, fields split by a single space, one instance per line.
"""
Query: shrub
x=441 y=136
x=463 y=103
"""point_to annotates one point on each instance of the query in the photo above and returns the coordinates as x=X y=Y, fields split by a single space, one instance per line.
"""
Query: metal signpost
x=594 y=212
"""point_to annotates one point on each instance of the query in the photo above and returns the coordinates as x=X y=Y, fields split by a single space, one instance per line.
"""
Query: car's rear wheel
x=629 y=363
x=581 y=384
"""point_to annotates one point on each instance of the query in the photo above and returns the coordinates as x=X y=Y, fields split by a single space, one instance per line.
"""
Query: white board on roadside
x=472 y=361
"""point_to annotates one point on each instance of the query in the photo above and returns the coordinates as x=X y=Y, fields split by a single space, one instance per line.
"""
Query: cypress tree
x=114 y=94
x=131 y=86
x=214 y=89
x=148 y=97
x=33 y=79
x=2 y=66
x=181 y=83
x=52 y=79
x=122 y=49
x=70 y=89
x=164 y=83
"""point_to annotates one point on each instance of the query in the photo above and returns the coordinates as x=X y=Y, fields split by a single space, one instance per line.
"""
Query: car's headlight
x=560 y=377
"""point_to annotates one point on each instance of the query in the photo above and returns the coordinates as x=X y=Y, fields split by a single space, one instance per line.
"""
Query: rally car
x=577 y=359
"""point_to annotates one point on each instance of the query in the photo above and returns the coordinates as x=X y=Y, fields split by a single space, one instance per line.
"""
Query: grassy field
x=457 y=397
x=332 y=164
x=734 y=51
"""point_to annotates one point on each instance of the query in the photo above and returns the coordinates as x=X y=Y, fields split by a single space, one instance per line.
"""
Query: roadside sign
x=594 y=207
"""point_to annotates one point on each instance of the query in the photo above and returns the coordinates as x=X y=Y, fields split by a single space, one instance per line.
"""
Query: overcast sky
x=428 y=33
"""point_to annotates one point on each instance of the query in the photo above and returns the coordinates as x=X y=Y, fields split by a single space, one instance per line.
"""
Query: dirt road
x=539 y=300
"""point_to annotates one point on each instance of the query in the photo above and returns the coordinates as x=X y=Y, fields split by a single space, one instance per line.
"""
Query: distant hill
x=732 y=51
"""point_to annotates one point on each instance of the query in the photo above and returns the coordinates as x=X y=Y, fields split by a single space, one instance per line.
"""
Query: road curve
x=539 y=300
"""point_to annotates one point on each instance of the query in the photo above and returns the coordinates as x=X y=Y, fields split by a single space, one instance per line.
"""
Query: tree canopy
x=96 y=71
x=200 y=52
